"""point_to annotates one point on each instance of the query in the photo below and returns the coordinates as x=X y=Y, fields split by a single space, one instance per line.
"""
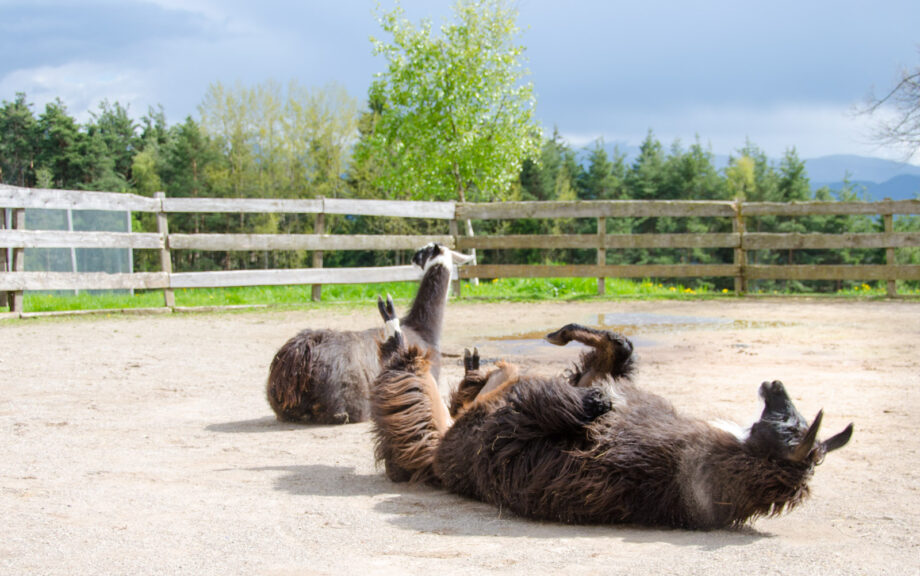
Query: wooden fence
x=14 y=280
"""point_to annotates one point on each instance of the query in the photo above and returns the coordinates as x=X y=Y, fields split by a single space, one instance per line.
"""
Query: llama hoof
x=596 y=403
x=623 y=346
x=470 y=361
x=340 y=418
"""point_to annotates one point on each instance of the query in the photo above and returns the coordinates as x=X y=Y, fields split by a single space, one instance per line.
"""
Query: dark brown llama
x=324 y=376
x=591 y=447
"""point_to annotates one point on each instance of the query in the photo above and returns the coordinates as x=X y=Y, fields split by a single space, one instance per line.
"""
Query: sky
x=780 y=74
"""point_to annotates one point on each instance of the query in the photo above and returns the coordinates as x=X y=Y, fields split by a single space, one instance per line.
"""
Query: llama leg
x=611 y=354
x=478 y=386
x=409 y=417
x=473 y=381
x=498 y=382
x=540 y=408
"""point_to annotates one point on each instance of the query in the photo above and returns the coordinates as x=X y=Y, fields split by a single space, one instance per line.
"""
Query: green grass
x=575 y=289
x=511 y=289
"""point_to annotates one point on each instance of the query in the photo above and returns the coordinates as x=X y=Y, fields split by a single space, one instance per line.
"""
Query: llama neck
x=427 y=313
x=728 y=485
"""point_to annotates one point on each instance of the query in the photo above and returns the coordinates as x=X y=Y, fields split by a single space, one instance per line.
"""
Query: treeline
x=273 y=141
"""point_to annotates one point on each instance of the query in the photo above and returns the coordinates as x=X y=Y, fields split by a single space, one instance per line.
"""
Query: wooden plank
x=601 y=254
x=319 y=227
x=594 y=209
x=243 y=205
x=515 y=241
x=169 y=298
x=16 y=197
x=890 y=256
x=4 y=297
x=830 y=208
x=394 y=208
x=83 y=281
x=591 y=241
x=310 y=242
x=16 y=300
x=295 y=277
x=739 y=257
x=64 y=239
x=590 y=271
x=621 y=241
x=791 y=241
x=832 y=272
x=125 y=311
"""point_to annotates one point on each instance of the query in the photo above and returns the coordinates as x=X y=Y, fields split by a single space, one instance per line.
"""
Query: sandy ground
x=144 y=445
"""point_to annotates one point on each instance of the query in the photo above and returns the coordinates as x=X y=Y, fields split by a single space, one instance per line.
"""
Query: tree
x=645 y=178
x=118 y=132
x=604 y=178
x=188 y=156
x=59 y=143
x=18 y=145
x=320 y=127
x=276 y=142
x=750 y=175
x=792 y=184
x=456 y=119
x=901 y=128
x=98 y=165
x=457 y=122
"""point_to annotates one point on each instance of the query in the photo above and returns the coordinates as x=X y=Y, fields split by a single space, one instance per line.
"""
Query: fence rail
x=13 y=241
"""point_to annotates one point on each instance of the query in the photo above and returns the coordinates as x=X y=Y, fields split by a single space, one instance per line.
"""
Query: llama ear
x=459 y=258
x=382 y=308
x=391 y=309
x=808 y=441
x=838 y=440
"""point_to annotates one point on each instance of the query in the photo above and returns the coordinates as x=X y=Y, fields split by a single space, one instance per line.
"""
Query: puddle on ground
x=635 y=325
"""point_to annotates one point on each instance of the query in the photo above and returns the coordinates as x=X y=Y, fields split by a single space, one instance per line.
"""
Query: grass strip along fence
x=14 y=280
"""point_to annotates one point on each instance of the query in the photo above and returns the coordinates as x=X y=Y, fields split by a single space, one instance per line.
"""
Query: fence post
x=890 y=259
x=73 y=251
x=19 y=260
x=3 y=258
x=316 y=291
x=601 y=253
x=169 y=299
x=740 y=259
x=455 y=232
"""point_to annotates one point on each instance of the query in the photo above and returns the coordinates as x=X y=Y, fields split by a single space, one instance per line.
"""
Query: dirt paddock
x=144 y=445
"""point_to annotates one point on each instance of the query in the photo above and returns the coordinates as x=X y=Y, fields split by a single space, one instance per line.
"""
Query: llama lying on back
x=589 y=446
x=324 y=376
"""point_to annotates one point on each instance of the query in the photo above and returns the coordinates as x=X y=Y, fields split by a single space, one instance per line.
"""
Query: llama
x=591 y=447
x=324 y=376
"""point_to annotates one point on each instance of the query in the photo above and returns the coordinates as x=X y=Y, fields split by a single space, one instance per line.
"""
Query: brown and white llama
x=324 y=376
x=590 y=446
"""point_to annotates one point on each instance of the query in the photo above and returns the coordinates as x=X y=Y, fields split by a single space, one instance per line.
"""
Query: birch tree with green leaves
x=457 y=119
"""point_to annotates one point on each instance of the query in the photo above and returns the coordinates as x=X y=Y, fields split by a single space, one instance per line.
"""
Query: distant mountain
x=901 y=187
x=862 y=168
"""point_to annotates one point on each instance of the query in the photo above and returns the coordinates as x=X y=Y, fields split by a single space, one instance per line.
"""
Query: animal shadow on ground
x=324 y=480
x=431 y=511
x=264 y=424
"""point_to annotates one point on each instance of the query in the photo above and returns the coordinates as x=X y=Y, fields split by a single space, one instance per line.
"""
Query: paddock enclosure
x=143 y=444
x=733 y=229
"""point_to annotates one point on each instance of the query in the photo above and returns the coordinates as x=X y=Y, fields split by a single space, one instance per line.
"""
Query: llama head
x=783 y=433
x=432 y=254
